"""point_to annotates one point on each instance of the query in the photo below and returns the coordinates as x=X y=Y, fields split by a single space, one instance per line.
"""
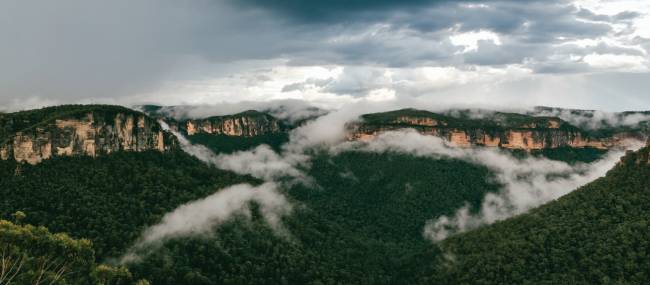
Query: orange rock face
x=459 y=138
x=522 y=140
x=531 y=138
x=84 y=136
x=418 y=121
x=243 y=126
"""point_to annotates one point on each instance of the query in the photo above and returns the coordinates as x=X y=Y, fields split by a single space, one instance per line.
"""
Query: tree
x=18 y=216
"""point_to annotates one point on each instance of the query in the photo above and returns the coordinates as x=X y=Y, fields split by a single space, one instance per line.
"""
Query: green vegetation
x=463 y=120
x=229 y=144
x=29 y=120
x=600 y=127
x=569 y=155
x=595 y=235
x=109 y=199
x=33 y=255
x=361 y=225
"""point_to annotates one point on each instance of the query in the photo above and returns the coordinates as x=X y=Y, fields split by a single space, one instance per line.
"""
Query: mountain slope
x=73 y=130
x=361 y=223
x=33 y=255
x=595 y=235
x=109 y=199
x=241 y=131
x=227 y=133
x=495 y=129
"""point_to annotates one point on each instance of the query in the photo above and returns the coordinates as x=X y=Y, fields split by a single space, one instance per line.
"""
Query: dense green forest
x=23 y=121
x=229 y=144
x=465 y=119
x=33 y=255
x=361 y=222
x=107 y=199
x=595 y=235
x=361 y=225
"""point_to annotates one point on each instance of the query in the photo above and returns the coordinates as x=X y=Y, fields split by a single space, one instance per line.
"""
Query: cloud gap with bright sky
x=580 y=54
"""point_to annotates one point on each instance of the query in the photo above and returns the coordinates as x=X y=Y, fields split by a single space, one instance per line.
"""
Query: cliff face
x=92 y=133
x=516 y=132
x=247 y=124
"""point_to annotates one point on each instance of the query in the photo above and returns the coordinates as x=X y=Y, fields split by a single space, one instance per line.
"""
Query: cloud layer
x=527 y=183
x=326 y=52
x=202 y=216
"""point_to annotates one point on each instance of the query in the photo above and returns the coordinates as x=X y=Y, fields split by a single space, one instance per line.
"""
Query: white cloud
x=594 y=119
x=617 y=61
x=262 y=162
x=469 y=40
x=527 y=183
x=202 y=216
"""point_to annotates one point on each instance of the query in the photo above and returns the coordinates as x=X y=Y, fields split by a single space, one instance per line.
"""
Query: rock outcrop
x=246 y=124
x=79 y=130
x=510 y=131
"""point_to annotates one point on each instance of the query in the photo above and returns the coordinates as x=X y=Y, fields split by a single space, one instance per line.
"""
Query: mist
x=526 y=182
x=290 y=110
x=202 y=216
x=594 y=119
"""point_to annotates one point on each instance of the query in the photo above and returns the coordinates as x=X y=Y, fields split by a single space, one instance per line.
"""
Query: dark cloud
x=337 y=10
x=69 y=50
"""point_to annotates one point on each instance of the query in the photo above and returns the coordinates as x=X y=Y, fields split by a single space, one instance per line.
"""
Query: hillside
x=241 y=131
x=73 y=130
x=34 y=255
x=601 y=124
x=227 y=133
x=107 y=199
x=360 y=222
x=492 y=129
x=595 y=235
x=363 y=224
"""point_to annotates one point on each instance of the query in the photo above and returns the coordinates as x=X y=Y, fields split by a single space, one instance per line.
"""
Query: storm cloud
x=326 y=52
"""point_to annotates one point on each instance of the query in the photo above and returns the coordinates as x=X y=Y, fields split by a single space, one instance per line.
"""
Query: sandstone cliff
x=33 y=136
x=246 y=124
x=511 y=131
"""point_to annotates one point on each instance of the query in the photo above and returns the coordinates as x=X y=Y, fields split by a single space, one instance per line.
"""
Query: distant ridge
x=70 y=130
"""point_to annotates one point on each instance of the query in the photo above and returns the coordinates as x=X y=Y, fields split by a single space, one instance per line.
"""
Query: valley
x=360 y=218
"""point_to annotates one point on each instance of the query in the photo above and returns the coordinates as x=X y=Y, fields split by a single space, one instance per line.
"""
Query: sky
x=590 y=54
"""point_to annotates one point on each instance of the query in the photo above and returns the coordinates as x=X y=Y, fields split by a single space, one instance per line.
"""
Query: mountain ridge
x=70 y=130
x=503 y=130
x=596 y=234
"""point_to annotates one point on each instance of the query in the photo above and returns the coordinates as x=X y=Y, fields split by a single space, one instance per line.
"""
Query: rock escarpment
x=33 y=136
x=246 y=124
x=510 y=131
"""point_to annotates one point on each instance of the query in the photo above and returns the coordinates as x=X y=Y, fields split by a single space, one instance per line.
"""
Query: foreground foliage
x=33 y=255
x=109 y=199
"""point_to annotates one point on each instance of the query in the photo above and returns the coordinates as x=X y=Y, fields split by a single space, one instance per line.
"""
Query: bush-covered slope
x=33 y=255
x=462 y=119
x=26 y=120
x=229 y=144
x=107 y=199
x=361 y=225
x=595 y=235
